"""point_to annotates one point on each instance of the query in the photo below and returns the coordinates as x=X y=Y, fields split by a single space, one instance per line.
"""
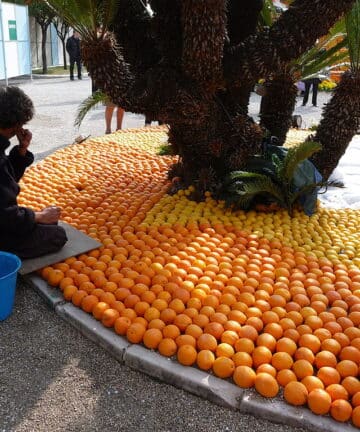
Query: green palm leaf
x=85 y=16
x=295 y=155
x=88 y=104
x=352 y=21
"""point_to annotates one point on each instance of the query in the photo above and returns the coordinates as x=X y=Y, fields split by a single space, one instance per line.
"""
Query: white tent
x=15 y=53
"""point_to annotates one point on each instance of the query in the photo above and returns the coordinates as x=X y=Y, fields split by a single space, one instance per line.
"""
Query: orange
x=206 y=342
x=356 y=399
x=242 y=359
x=223 y=367
x=186 y=355
x=152 y=337
x=261 y=355
x=295 y=393
x=167 y=347
x=224 y=349
x=121 y=325
x=341 y=410
x=302 y=368
x=109 y=317
x=328 y=375
x=244 y=376
x=244 y=345
x=99 y=309
x=310 y=341
x=319 y=401
x=89 y=302
x=135 y=333
x=304 y=354
x=185 y=339
x=286 y=345
x=347 y=368
x=205 y=359
x=265 y=367
x=282 y=360
x=266 y=385
x=311 y=383
x=337 y=391
x=355 y=418
x=285 y=376
x=351 y=385
x=325 y=358
x=69 y=291
x=55 y=276
x=171 y=331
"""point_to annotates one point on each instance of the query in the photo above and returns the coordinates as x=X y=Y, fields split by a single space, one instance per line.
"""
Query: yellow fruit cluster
x=266 y=299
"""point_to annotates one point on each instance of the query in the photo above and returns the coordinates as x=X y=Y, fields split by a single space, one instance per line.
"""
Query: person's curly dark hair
x=16 y=108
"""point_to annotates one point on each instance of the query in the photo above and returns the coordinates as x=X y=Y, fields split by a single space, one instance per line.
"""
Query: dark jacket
x=13 y=219
x=73 y=48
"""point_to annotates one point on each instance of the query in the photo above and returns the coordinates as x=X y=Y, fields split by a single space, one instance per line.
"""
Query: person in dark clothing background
x=314 y=82
x=23 y=231
x=73 y=49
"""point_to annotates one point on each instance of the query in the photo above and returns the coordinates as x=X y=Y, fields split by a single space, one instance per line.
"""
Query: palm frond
x=297 y=154
x=88 y=104
x=85 y=16
x=352 y=21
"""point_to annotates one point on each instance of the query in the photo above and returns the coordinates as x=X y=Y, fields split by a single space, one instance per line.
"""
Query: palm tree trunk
x=340 y=122
x=43 y=48
x=291 y=35
x=278 y=104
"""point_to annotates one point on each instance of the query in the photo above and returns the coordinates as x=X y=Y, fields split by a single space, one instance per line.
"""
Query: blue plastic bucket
x=9 y=266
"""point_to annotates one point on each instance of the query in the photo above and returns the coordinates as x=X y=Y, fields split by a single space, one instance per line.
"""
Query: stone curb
x=52 y=296
x=198 y=382
x=93 y=330
x=193 y=380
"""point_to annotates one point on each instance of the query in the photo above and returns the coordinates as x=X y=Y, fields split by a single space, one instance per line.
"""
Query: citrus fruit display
x=267 y=300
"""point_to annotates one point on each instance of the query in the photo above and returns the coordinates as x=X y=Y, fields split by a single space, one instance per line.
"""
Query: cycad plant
x=278 y=176
x=191 y=64
x=341 y=117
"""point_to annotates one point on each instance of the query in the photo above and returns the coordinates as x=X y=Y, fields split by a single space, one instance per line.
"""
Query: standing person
x=23 y=231
x=73 y=49
x=314 y=82
x=109 y=109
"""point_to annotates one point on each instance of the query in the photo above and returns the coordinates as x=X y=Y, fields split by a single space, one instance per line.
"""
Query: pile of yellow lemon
x=266 y=299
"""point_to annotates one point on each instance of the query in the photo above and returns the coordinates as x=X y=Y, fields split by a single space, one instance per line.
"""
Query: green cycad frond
x=263 y=184
x=352 y=21
x=295 y=155
x=89 y=103
x=85 y=16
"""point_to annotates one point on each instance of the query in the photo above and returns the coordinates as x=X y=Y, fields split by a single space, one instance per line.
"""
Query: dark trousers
x=78 y=65
x=314 y=82
x=43 y=239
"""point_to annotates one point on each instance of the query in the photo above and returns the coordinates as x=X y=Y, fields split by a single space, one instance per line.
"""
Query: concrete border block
x=278 y=411
x=93 y=330
x=193 y=380
x=53 y=296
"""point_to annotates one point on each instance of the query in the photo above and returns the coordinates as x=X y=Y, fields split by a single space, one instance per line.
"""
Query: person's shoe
x=314 y=105
x=304 y=104
x=79 y=77
x=108 y=131
x=72 y=78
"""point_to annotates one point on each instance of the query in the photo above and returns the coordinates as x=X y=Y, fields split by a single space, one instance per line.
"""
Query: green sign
x=12 y=30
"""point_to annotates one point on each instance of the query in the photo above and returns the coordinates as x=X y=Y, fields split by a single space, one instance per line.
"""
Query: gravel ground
x=51 y=377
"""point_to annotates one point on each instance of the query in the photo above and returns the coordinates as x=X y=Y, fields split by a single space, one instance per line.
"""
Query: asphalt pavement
x=52 y=378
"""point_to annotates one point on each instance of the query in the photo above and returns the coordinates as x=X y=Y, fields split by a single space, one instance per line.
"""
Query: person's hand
x=48 y=216
x=24 y=136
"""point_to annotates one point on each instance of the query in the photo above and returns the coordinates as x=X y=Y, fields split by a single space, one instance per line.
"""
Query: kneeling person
x=23 y=231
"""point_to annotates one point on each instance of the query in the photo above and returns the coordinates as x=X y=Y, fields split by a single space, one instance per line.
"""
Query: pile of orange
x=267 y=300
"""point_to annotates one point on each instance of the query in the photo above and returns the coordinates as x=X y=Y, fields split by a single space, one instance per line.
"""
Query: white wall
x=17 y=51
